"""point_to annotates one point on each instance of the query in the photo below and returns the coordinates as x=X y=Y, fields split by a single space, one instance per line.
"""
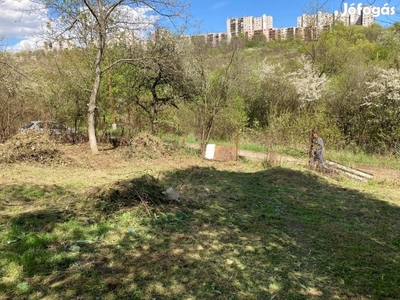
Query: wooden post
x=110 y=91
x=310 y=150
x=183 y=133
x=237 y=142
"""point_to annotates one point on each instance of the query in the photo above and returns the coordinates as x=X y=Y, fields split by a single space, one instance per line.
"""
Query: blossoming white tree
x=384 y=88
x=309 y=83
x=382 y=104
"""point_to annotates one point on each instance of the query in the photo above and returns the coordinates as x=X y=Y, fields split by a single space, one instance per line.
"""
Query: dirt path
x=381 y=174
x=280 y=159
x=260 y=157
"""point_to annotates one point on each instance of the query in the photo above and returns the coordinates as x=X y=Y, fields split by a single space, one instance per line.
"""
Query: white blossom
x=386 y=86
x=310 y=84
x=268 y=69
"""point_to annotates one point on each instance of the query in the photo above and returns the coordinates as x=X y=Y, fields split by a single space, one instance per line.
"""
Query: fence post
x=237 y=142
x=183 y=133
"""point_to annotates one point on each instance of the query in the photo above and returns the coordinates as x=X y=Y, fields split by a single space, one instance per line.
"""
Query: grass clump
x=351 y=158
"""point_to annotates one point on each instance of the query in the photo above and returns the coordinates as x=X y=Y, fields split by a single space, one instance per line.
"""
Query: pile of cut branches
x=128 y=193
x=146 y=146
x=31 y=146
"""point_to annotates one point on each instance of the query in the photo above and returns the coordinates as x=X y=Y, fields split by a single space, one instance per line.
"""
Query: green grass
x=253 y=147
x=345 y=156
x=189 y=139
x=240 y=232
x=348 y=157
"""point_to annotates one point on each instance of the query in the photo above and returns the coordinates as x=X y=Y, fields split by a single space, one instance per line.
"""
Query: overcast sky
x=20 y=30
x=16 y=25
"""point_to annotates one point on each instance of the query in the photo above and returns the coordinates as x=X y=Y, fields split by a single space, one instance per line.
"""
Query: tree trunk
x=92 y=104
x=153 y=128
x=154 y=119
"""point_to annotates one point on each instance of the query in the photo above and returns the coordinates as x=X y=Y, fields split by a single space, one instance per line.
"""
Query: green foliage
x=218 y=77
x=158 y=79
x=335 y=50
x=389 y=43
x=276 y=95
x=215 y=88
x=258 y=40
x=232 y=118
x=293 y=129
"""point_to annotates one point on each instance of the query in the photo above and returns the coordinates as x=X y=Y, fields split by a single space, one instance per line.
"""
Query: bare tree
x=314 y=20
x=94 y=24
x=216 y=72
x=10 y=101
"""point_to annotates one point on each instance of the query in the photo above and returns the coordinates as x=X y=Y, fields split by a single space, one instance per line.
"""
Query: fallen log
x=351 y=172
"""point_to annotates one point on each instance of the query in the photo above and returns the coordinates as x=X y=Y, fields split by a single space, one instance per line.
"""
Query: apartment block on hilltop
x=215 y=39
x=313 y=25
x=319 y=20
x=249 y=26
x=308 y=26
x=323 y=20
x=365 y=18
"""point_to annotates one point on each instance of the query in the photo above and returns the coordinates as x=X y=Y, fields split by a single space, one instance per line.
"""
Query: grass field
x=99 y=227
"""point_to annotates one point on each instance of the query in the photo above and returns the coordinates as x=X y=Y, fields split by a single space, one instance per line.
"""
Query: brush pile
x=128 y=193
x=146 y=146
x=30 y=146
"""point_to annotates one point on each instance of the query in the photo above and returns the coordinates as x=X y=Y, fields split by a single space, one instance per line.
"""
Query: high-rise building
x=308 y=27
x=234 y=27
x=248 y=26
x=323 y=20
x=367 y=17
x=288 y=33
x=215 y=39
x=363 y=17
x=319 y=20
